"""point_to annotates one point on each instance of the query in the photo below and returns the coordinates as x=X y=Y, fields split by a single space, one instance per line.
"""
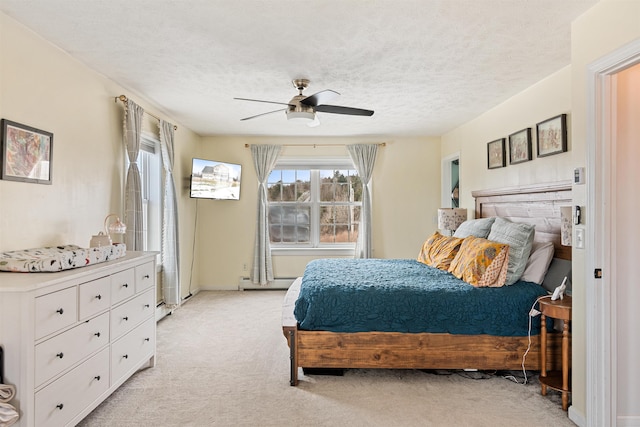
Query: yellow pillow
x=438 y=251
x=481 y=262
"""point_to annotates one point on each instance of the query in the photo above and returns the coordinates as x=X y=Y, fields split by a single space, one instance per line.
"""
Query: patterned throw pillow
x=438 y=251
x=481 y=263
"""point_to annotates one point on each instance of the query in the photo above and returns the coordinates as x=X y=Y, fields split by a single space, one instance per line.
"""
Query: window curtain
x=170 y=253
x=132 y=129
x=264 y=160
x=364 y=158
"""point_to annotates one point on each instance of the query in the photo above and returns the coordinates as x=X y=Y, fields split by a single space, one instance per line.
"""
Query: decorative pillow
x=438 y=251
x=481 y=262
x=519 y=237
x=475 y=227
x=538 y=263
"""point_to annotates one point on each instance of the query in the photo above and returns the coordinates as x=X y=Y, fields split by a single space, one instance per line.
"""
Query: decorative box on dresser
x=73 y=337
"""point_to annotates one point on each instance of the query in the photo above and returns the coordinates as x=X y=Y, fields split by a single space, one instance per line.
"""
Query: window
x=314 y=207
x=150 y=165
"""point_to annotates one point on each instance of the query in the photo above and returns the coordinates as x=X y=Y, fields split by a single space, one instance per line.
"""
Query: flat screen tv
x=215 y=180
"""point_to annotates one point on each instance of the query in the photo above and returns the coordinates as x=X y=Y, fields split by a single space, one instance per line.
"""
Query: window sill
x=343 y=251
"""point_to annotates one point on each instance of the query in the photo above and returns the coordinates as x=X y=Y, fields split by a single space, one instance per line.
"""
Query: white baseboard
x=577 y=417
x=279 y=283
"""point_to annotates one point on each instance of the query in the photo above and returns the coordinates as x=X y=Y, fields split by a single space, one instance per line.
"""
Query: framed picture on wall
x=496 y=157
x=26 y=153
x=520 y=146
x=552 y=136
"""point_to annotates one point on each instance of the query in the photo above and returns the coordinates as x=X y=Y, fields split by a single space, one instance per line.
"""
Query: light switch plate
x=580 y=238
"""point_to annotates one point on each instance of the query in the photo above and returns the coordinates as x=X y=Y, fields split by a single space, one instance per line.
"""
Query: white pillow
x=538 y=262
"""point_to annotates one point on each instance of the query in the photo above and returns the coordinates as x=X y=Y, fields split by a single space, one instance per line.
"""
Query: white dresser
x=71 y=338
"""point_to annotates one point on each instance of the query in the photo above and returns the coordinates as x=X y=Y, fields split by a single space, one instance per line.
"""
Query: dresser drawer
x=145 y=276
x=126 y=316
x=122 y=285
x=94 y=297
x=62 y=400
x=62 y=351
x=133 y=348
x=55 y=311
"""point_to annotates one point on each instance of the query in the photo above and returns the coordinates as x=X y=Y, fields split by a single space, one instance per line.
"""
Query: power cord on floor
x=532 y=313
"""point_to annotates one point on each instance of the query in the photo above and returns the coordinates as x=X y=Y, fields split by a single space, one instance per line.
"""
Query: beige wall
x=406 y=193
x=45 y=88
x=606 y=27
x=546 y=99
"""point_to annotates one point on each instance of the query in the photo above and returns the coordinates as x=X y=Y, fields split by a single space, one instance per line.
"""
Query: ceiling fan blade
x=263 y=114
x=336 y=109
x=259 y=100
x=319 y=98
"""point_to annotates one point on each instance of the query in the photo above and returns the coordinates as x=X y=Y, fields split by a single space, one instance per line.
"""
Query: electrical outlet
x=244 y=267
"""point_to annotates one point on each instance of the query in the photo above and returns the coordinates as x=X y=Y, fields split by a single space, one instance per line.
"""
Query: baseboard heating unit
x=279 y=283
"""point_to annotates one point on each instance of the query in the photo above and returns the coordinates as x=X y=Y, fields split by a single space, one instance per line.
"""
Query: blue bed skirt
x=404 y=295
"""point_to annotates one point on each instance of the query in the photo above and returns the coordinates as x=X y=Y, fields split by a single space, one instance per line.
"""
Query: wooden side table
x=557 y=380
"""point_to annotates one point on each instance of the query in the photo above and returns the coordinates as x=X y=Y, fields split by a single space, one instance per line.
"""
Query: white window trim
x=334 y=249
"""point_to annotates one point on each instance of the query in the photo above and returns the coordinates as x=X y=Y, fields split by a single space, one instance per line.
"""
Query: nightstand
x=557 y=380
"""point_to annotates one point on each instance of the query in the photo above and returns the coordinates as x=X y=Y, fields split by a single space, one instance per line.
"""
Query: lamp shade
x=451 y=218
x=566 y=225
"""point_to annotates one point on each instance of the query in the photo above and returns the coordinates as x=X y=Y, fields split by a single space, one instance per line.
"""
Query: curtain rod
x=123 y=98
x=381 y=144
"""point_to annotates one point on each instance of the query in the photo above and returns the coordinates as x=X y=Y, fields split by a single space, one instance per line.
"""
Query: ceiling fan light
x=306 y=116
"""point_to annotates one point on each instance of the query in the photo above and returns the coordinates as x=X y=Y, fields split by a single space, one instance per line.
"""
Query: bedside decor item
x=26 y=153
x=104 y=239
x=520 y=146
x=566 y=225
x=552 y=136
x=450 y=218
x=496 y=154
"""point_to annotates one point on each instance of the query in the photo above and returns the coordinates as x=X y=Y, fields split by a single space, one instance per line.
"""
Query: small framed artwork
x=552 y=136
x=26 y=153
x=496 y=157
x=520 y=146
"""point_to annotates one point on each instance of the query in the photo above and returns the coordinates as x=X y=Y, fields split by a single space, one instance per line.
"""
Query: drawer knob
x=60 y=355
x=146 y=306
x=97 y=334
x=97 y=378
x=147 y=339
x=125 y=318
x=126 y=356
x=98 y=296
x=59 y=311
x=146 y=276
x=125 y=285
x=60 y=406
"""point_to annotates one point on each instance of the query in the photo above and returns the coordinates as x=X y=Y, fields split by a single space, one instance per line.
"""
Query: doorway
x=450 y=181
x=613 y=155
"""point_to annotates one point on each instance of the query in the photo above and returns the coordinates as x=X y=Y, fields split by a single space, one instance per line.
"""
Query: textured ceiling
x=424 y=66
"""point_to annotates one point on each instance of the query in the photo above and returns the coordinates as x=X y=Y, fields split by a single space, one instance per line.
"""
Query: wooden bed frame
x=535 y=204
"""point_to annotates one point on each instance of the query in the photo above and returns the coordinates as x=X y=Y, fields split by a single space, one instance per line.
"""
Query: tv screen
x=215 y=180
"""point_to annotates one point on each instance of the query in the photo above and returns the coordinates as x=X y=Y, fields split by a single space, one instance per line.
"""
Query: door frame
x=601 y=328
x=445 y=190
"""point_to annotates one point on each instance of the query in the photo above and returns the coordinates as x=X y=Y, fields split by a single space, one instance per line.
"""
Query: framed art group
x=26 y=153
x=551 y=138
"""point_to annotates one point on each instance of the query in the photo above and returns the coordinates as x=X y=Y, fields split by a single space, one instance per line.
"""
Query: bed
x=346 y=348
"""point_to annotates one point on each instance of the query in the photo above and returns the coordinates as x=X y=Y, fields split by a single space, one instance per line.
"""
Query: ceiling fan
x=302 y=107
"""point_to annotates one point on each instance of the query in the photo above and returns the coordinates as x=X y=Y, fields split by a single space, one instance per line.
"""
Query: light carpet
x=223 y=361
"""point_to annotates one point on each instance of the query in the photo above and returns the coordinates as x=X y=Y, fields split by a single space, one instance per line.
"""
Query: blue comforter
x=403 y=295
